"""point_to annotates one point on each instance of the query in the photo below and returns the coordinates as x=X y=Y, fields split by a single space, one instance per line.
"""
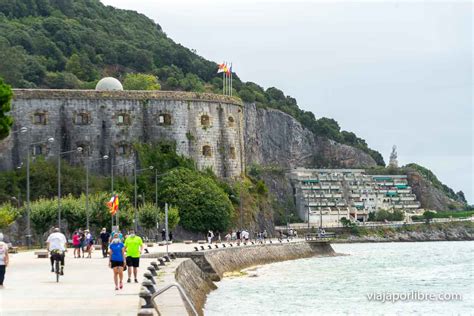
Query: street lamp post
x=105 y=157
x=78 y=149
x=135 y=171
x=28 y=209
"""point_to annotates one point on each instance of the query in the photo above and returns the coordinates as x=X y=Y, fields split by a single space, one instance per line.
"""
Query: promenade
x=86 y=288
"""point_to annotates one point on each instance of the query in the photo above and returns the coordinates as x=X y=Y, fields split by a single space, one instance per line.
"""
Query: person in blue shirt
x=117 y=260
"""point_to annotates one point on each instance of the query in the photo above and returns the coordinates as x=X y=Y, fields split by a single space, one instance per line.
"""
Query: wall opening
x=206 y=151
x=82 y=118
x=232 y=153
x=123 y=119
x=231 y=121
x=37 y=150
x=205 y=120
x=39 y=118
x=164 y=119
x=122 y=149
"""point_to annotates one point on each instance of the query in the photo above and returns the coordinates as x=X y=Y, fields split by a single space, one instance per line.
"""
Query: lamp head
x=51 y=140
x=151 y=167
x=79 y=149
x=105 y=157
x=23 y=130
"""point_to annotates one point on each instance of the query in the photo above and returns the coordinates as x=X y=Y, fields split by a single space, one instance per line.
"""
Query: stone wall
x=205 y=127
x=197 y=274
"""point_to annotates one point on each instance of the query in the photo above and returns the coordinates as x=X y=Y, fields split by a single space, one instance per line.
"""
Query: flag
x=228 y=70
x=222 y=68
x=113 y=204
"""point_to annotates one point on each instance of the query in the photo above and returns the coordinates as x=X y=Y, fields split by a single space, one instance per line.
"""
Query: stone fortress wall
x=205 y=127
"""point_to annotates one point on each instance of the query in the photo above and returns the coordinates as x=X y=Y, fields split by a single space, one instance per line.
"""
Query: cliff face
x=275 y=138
x=429 y=196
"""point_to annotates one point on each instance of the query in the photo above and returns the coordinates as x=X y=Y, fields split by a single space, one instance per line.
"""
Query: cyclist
x=56 y=244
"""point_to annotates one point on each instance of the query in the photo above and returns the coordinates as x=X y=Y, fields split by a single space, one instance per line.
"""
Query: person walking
x=117 y=262
x=89 y=241
x=82 y=238
x=163 y=235
x=104 y=238
x=133 y=248
x=76 y=244
x=4 y=259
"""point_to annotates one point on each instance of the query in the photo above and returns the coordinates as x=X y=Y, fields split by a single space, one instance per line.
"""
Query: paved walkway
x=87 y=287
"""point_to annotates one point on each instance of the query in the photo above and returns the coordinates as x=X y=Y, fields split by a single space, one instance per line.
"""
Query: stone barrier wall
x=197 y=274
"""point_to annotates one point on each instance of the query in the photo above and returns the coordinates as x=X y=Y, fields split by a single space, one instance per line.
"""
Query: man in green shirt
x=133 y=250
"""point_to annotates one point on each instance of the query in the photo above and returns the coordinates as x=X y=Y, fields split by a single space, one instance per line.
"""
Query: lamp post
x=78 y=149
x=135 y=170
x=105 y=157
x=28 y=209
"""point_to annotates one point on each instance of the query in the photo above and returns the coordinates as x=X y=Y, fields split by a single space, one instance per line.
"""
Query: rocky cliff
x=276 y=138
x=430 y=197
x=275 y=141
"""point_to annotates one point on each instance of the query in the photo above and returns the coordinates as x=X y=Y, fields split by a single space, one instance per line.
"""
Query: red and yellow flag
x=113 y=204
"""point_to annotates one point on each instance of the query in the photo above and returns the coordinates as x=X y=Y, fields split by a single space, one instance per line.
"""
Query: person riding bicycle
x=56 y=244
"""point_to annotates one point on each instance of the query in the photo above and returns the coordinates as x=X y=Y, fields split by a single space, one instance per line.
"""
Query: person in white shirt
x=3 y=259
x=56 y=244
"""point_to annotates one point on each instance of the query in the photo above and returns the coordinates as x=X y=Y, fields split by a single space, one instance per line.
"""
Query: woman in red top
x=76 y=243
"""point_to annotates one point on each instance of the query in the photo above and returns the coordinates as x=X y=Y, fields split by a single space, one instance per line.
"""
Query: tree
x=173 y=217
x=428 y=215
x=202 y=204
x=141 y=81
x=8 y=214
x=6 y=121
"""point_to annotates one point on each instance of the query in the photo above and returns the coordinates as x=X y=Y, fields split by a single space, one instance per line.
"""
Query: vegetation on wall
x=71 y=44
x=5 y=106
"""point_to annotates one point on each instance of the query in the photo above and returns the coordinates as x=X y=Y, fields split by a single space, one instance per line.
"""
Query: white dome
x=109 y=84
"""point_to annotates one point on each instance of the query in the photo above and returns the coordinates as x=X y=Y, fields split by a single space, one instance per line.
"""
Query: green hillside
x=71 y=44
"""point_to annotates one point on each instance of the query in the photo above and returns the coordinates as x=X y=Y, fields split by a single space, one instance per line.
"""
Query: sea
x=405 y=278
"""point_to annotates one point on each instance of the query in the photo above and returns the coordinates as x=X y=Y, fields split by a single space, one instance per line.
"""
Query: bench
x=42 y=254
x=149 y=245
x=202 y=242
x=13 y=250
x=187 y=242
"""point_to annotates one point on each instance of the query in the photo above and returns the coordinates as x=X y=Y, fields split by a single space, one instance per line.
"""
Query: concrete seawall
x=197 y=274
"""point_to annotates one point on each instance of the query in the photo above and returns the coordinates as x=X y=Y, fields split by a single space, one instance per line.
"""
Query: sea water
x=372 y=279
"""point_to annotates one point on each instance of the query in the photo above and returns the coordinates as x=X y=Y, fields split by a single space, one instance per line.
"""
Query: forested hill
x=71 y=44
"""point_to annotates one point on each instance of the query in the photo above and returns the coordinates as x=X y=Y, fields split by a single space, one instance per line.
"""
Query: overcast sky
x=394 y=72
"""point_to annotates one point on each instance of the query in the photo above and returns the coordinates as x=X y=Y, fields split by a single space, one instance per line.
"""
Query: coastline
x=199 y=272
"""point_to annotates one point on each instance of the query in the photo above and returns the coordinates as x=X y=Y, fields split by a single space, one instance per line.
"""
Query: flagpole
x=231 y=79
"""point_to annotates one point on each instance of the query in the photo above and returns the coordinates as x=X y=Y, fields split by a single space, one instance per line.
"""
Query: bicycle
x=56 y=254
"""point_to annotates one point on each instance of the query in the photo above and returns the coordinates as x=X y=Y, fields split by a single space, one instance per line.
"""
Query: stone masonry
x=205 y=127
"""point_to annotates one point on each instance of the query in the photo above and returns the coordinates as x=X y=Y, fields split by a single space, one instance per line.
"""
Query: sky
x=393 y=72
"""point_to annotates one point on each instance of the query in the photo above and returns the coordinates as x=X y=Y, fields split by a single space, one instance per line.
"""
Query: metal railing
x=181 y=291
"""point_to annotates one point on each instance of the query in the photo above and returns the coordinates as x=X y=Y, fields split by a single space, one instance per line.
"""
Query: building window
x=82 y=119
x=232 y=153
x=123 y=149
x=206 y=151
x=123 y=119
x=164 y=119
x=205 y=120
x=39 y=118
x=231 y=121
x=37 y=150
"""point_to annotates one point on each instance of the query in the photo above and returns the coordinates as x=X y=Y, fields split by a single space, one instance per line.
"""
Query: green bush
x=8 y=214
